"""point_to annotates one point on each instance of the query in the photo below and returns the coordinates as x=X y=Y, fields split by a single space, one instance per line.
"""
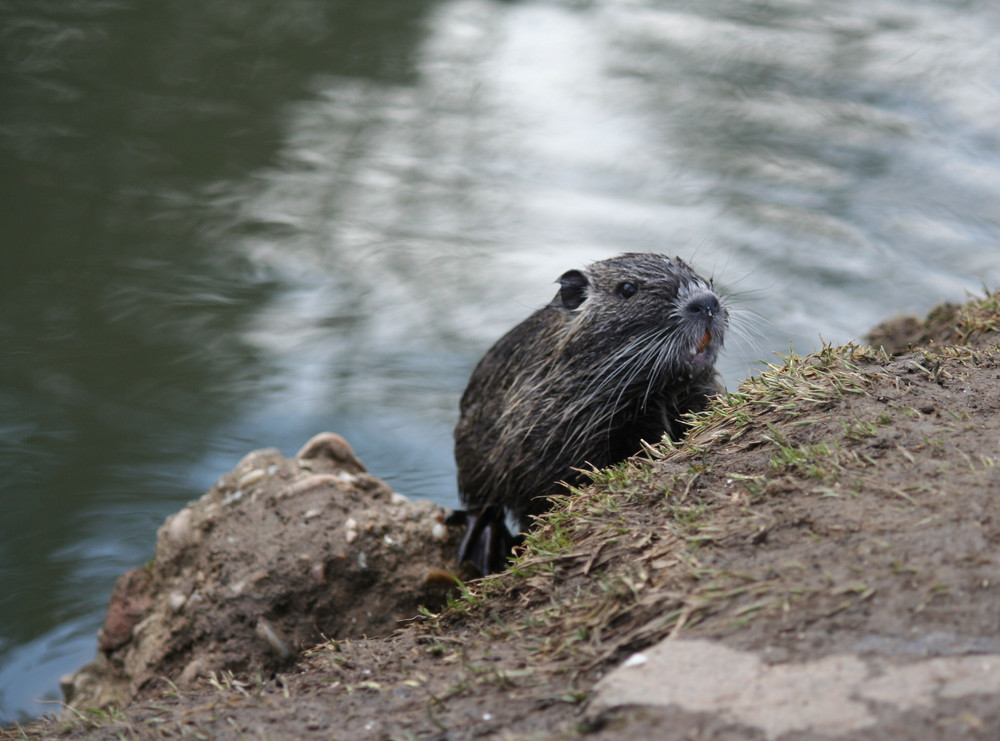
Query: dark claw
x=487 y=542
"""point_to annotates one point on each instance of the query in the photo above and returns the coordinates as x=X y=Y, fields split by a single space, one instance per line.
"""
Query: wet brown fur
x=581 y=381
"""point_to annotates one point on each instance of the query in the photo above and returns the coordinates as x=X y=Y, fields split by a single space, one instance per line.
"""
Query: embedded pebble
x=318 y=573
x=234 y=497
x=351 y=529
x=179 y=527
x=347 y=478
x=635 y=660
x=311 y=514
x=309 y=483
x=439 y=532
x=177 y=600
x=250 y=478
x=397 y=498
x=142 y=625
x=256 y=458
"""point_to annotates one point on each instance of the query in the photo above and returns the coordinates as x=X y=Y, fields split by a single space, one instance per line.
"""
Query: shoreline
x=835 y=516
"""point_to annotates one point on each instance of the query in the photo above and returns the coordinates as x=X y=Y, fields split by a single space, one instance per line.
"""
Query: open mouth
x=700 y=354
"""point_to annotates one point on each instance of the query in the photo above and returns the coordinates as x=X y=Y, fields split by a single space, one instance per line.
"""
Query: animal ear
x=573 y=288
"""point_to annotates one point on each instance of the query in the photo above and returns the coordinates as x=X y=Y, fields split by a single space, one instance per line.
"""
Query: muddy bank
x=820 y=559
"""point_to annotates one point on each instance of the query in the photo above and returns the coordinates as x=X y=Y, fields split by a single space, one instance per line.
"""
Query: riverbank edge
x=663 y=547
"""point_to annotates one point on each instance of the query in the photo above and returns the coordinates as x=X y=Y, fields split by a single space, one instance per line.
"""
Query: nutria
x=626 y=347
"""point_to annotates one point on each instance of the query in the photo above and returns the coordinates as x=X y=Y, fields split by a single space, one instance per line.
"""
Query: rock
x=333 y=448
x=277 y=556
x=130 y=601
x=828 y=696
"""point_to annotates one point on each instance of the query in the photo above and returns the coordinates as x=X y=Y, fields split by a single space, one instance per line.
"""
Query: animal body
x=624 y=350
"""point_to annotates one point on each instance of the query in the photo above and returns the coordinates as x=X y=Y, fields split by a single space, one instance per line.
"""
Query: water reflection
x=125 y=370
x=233 y=224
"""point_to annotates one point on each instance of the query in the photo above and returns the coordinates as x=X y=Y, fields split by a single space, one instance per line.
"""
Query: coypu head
x=644 y=310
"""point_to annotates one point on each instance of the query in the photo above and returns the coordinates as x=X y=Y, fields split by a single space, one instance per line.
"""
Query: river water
x=230 y=224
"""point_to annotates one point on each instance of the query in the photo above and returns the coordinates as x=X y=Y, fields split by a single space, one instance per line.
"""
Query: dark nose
x=707 y=304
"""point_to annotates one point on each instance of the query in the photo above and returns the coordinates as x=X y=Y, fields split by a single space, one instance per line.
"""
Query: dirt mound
x=278 y=555
x=968 y=324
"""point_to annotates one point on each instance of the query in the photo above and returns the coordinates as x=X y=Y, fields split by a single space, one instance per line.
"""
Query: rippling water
x=230 y=225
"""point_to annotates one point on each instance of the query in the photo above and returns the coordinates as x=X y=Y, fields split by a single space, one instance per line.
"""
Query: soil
x=820 y=558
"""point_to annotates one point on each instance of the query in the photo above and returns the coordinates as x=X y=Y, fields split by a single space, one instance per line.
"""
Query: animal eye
x=627 y=289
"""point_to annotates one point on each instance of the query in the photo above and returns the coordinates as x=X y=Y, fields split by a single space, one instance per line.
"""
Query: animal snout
x=705 y=304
